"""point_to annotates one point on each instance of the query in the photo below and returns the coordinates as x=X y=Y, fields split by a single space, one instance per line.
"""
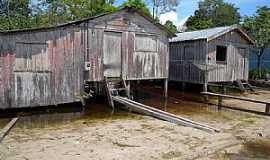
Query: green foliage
x=18 y=14
x=170 y=26
x=213 y=13
x=258 y=27
x=197 y=23
x=14 y=14
x=258 y=74
x=138 y=4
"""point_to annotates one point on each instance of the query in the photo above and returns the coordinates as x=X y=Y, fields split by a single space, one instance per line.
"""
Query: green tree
x=258 y=27
x=84 y=8
x=197 y=22
x=213 y=13
x=15 y=14
x=170 y=26
x=52 y=12
x=138 y=4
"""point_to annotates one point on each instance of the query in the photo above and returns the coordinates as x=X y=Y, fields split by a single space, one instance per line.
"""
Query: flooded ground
x=95 y=133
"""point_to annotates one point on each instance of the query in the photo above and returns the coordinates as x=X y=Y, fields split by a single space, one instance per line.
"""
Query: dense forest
x=19 y=14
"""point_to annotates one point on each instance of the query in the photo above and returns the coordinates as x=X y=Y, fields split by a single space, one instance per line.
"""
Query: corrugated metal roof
x=201 y=34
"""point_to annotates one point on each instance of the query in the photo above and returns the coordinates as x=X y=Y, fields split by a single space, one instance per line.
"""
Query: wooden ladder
x=115 y=86
x=244 y=85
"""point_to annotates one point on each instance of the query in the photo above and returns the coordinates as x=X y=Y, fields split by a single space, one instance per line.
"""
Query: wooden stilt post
x=183 y=86
x=128 y=88
x=166 y=88
x=205 y=90
x=267 y=108
x=219 y=102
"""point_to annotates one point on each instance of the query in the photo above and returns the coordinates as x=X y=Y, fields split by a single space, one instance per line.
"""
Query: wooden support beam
x=219 y=102
x=221 y=96
x=267 y=108
x=236 y=97
x=206 y=98
x=128 y=88
x=166 y=88
x=4 y=132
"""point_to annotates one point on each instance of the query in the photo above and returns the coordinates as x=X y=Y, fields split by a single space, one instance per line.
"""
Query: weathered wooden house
x=50 y=66
x=212 y=55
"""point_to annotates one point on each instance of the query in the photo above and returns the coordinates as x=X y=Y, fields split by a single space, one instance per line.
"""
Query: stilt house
x=212 y=55
x=50 y=66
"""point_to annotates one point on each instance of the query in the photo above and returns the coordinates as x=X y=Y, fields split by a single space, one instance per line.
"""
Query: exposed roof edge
x=209 y=34
x=233 y=27
x=129 y=9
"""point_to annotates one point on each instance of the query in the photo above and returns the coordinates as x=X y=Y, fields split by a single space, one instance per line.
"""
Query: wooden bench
x=221 y=96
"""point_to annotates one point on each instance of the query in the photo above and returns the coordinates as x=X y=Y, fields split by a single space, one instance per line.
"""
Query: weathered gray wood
x=235 y=97
x=219 y=102
x=143 y=109
x=4 y=132
x=166 y=88
x=108 y=93
x=46 y=66
x=127 y=85
x=267 y=108
x=186 y=55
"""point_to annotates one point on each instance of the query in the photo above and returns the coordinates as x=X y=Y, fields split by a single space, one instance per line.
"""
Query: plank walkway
x=221 y=96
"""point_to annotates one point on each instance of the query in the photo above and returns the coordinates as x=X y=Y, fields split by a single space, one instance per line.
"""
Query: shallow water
x=48 y=117
x=99 y=110
x=177 y=103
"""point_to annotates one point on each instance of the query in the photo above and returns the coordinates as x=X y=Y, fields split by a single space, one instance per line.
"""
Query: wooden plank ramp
x=150 y=111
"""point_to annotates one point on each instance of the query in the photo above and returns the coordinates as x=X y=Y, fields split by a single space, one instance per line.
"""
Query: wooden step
x=118 y=89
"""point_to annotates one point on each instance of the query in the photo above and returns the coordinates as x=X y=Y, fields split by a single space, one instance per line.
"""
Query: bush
x=254 y=73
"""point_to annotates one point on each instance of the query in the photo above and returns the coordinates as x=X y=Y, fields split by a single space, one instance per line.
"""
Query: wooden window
x=221 y=54
x=145 y=43
x=31 y=56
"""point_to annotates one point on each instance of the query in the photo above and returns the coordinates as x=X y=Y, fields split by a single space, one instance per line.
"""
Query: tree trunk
x=259 y=57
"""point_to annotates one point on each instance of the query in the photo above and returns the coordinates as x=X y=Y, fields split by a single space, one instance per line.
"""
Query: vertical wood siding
x=236 y=66
x=184 y=54
x=46 y=67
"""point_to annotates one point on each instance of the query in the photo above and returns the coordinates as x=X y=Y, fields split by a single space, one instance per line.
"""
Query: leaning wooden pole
x=4 y=132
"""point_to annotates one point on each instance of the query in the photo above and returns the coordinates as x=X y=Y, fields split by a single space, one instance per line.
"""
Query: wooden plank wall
x=182 y=68
x=46 y=67
x=41 y=68
x=135 y=65
x=182 y=57
x=236 y=66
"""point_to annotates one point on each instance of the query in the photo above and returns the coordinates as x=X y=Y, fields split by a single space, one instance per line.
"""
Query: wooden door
x=112 y=60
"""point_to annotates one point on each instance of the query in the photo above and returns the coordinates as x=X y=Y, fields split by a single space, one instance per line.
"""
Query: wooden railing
x=221 y=96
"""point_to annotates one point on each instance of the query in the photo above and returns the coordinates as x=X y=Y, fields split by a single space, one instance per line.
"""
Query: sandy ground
x=242 y=136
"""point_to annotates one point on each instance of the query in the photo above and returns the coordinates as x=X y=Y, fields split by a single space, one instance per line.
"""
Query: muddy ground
x=95 y=134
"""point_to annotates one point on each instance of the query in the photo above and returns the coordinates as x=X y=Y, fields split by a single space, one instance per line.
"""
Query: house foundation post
x=166 y=88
